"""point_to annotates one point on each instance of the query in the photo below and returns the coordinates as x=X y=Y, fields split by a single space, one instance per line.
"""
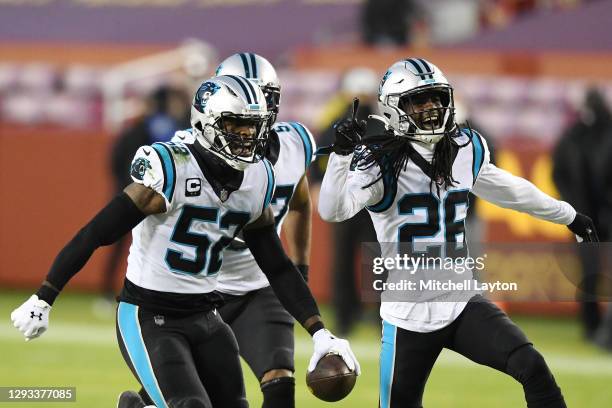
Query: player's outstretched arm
x=298 y=227
x=342 y=194
x=291 y=290
x=342 y=191
x=119 y=216
x=509 y=191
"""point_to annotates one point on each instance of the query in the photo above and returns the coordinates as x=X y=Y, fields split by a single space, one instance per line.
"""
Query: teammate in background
x=414 y=181
x=262 y=326
x=186 y=204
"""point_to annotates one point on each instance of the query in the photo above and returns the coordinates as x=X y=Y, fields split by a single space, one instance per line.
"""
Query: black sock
x=279 y=393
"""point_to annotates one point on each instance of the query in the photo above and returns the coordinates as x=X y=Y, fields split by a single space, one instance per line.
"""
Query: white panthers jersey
x=240 y=273
x=181 y=250
x=411 y=210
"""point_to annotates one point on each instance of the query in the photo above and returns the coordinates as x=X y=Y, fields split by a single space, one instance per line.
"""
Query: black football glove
x=583 y=227
x=348 y=133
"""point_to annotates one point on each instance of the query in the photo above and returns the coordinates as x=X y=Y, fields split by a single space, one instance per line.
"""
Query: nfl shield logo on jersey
x=224 y=195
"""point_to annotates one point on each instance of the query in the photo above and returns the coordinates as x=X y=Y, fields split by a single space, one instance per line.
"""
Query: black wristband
x=47 y=293
x=315 y=327
x=303 y=271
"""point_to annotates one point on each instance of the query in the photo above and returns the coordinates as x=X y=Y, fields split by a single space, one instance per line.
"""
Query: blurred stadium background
x=73 y=73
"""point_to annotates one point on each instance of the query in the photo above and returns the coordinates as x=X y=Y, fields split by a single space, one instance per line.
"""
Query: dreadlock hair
x=392 y=154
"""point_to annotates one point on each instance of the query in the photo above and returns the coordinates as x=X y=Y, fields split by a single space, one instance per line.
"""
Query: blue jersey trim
x=168 y=168
x=270 y=187
x=390 y=191
x=305 y=141
x=387 y=363
x=129 y=328
x=477 y=153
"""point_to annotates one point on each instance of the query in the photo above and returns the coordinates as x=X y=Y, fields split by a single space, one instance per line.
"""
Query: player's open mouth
x=430 y=121
x=245 y=149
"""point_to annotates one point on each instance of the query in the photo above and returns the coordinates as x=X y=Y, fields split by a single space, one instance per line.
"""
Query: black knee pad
x=526 y=363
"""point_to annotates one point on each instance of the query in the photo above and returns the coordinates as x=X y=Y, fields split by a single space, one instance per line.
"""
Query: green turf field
x=80 y=350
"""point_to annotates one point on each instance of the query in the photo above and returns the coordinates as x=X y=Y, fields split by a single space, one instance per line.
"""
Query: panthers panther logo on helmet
x=206 y=90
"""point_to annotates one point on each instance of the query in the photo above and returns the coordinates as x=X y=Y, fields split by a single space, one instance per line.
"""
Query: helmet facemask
x=273 y=97
x=239 y=139
x=426 y=113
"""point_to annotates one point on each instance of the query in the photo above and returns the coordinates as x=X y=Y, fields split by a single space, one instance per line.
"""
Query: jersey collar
x=223 y=179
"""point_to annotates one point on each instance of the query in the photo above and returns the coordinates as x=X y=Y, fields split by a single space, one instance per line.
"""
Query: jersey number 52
x=208 y=254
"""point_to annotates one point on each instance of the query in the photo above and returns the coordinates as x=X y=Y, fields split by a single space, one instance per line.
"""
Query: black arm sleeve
x=110 y=224
x=284 y=278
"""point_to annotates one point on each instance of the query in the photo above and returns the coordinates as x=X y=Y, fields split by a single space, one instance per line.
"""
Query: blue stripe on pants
x=387 y=363
x=129 y=327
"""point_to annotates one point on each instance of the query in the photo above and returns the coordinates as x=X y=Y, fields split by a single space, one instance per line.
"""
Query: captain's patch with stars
x=140 y=167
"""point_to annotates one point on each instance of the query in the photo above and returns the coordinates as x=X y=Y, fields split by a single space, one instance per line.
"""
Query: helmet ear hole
x=198 y=126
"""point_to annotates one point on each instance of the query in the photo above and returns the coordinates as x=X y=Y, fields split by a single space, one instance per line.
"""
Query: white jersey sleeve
x=342 y=191
x=480 y=151
x=308 y=142
x=509 y=191
x=153 y=167
x=296 y=130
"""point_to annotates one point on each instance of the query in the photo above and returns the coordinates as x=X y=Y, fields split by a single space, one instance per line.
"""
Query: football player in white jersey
x=186 y=204
x=262 y=326
x=414 y=180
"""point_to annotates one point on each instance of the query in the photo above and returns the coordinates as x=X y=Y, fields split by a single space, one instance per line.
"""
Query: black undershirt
x=219 y=174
